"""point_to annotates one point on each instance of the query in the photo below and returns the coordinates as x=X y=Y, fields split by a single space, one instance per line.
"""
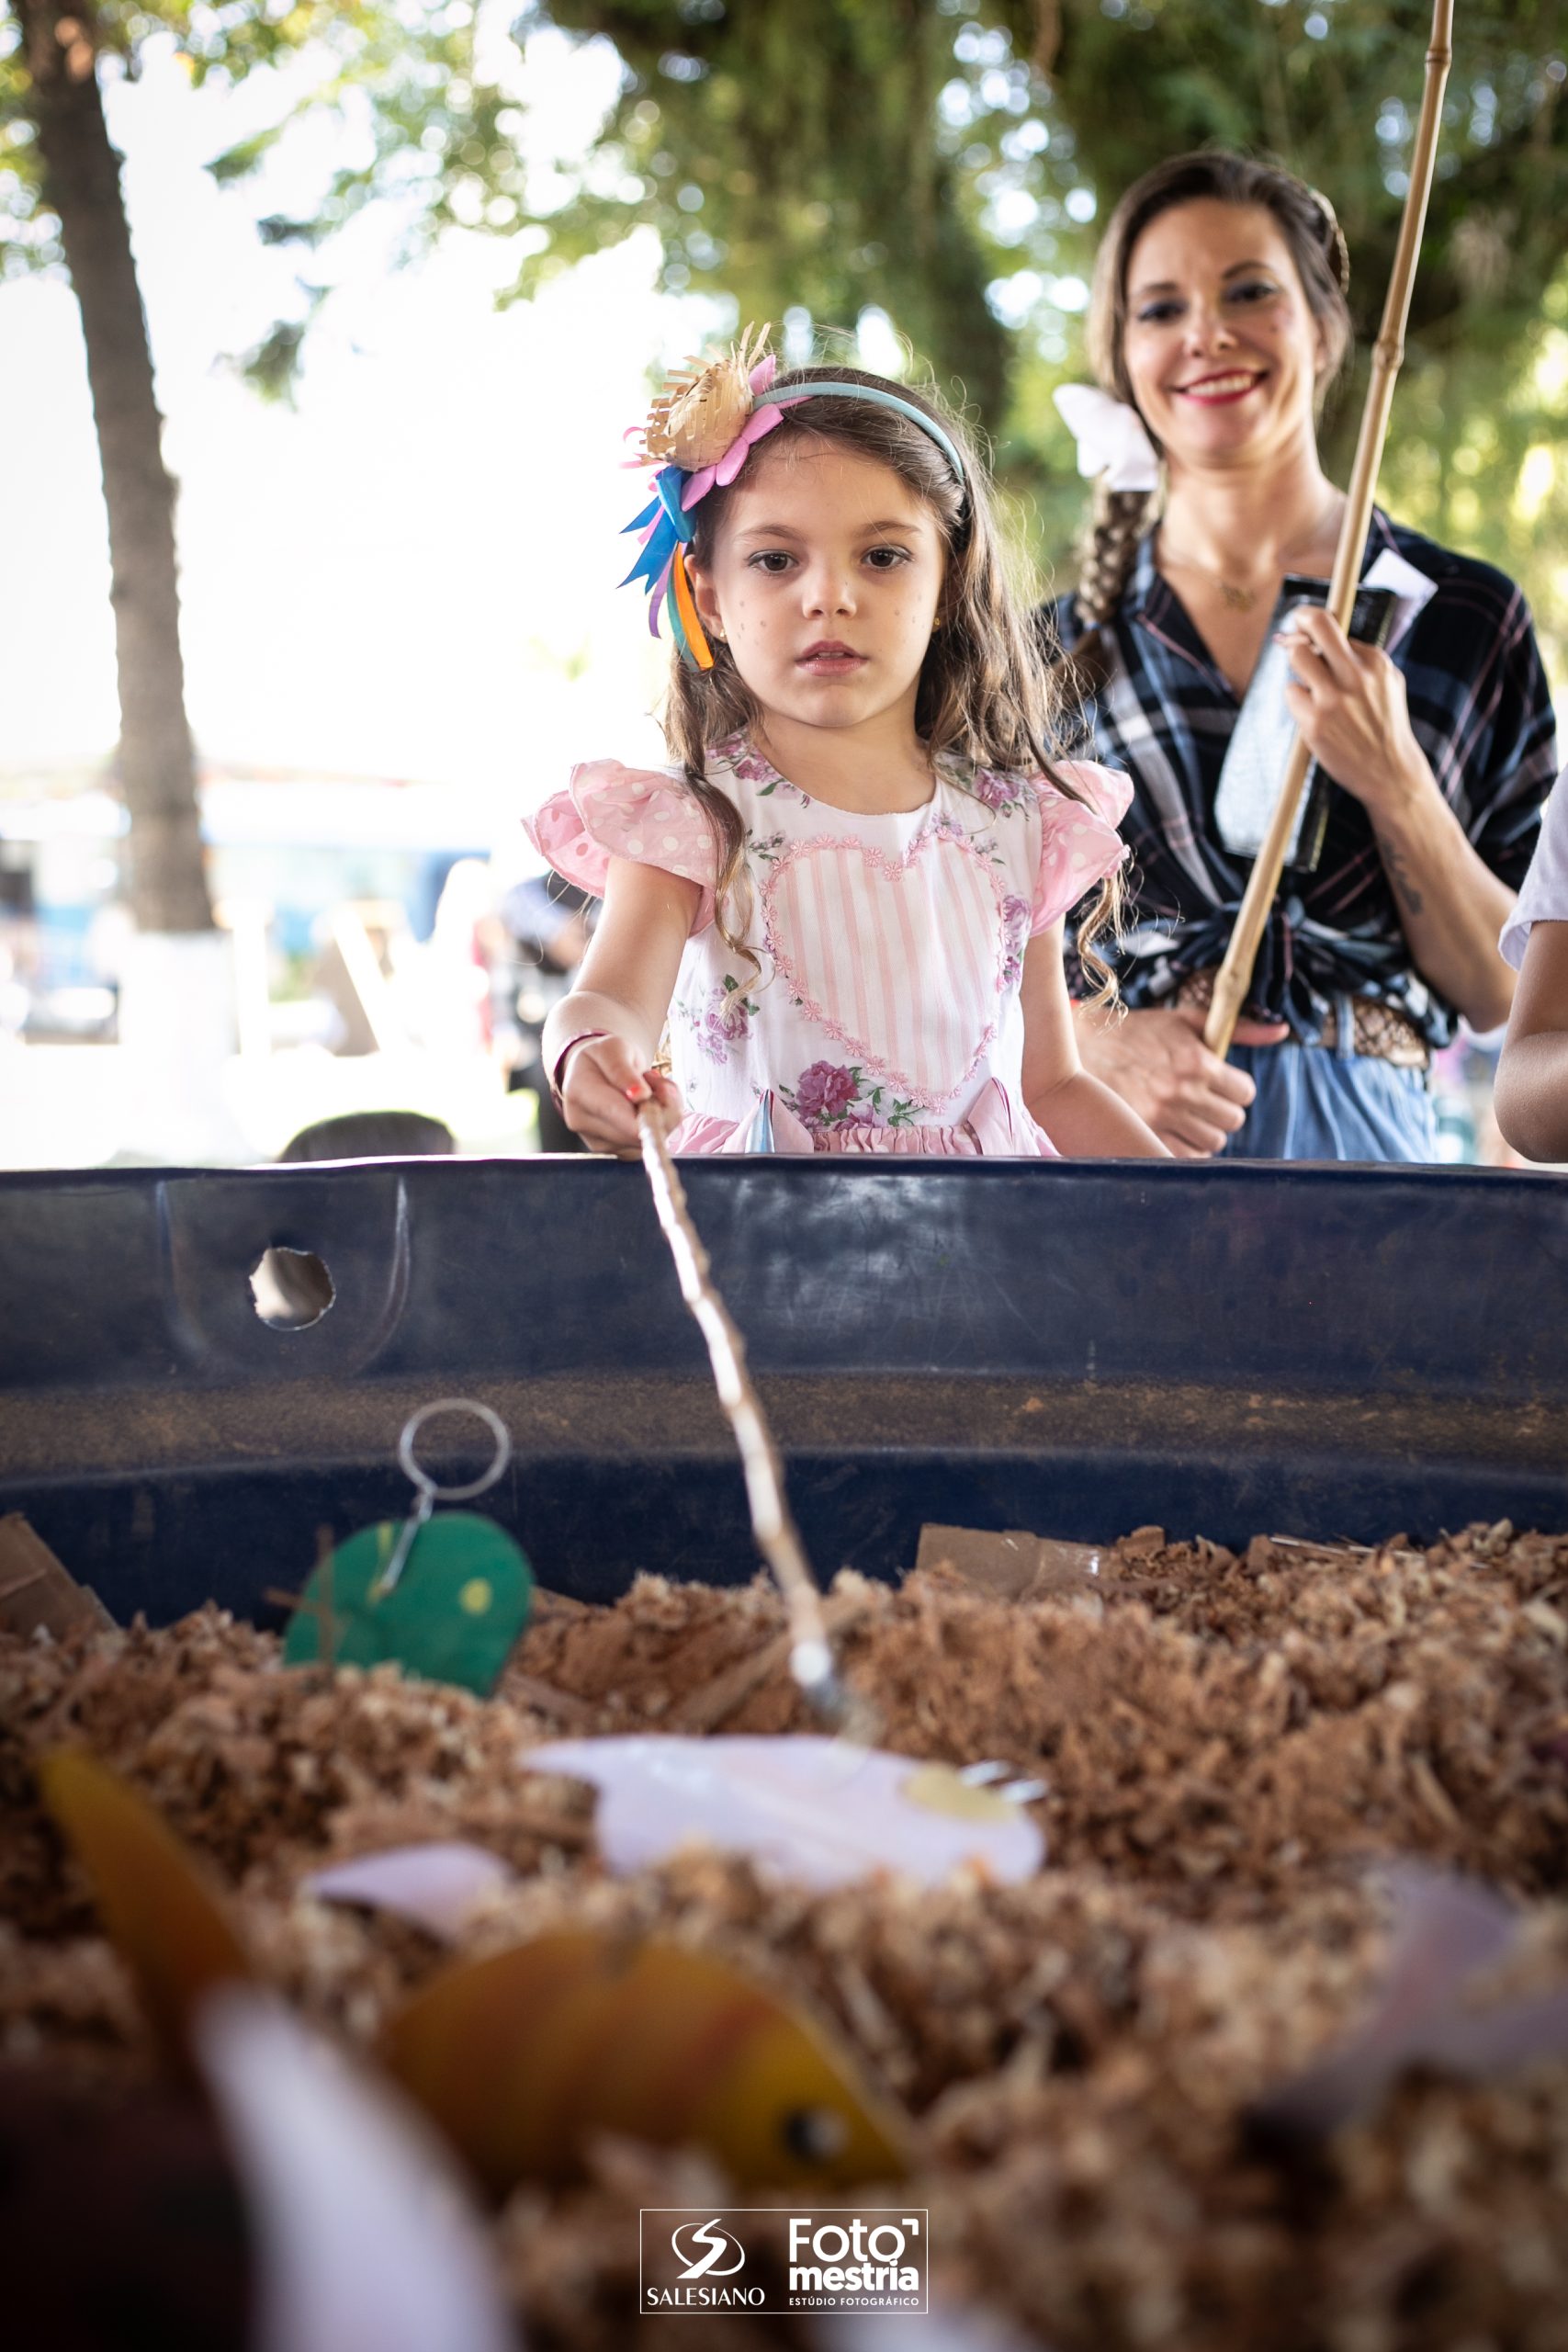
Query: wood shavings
x=1228 y=1741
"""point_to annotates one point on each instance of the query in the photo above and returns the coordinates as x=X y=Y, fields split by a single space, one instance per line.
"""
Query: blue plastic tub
x=1076 y=1350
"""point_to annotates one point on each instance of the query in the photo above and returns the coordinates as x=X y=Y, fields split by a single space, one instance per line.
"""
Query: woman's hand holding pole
x=1157 y=1062
x=1348 y=702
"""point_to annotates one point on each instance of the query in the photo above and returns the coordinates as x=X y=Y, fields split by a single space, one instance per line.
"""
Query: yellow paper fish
x=167 y=1926
x=521 y=2056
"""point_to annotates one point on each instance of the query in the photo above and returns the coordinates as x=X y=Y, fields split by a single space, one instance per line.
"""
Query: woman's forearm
x=1452 y=905
x=1351 y=705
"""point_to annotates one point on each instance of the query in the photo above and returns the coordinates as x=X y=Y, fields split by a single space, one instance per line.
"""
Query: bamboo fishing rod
x=811 y=1659
x=1235 y=977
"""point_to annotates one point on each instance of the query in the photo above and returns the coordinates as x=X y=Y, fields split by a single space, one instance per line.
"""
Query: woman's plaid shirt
x=1158 y=706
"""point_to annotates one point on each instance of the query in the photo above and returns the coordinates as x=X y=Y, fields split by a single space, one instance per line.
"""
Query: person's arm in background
x=1084 y=1119
x=1454 y=869
x=1349 y=702
x=1530 y=1095
x=550 y=921
x=1156 y=1061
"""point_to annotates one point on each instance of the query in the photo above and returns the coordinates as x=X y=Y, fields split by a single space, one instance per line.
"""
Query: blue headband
x=778 y=397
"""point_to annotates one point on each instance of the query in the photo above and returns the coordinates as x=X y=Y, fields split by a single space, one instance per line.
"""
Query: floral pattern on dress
x=721 y=1025
x=899 y=1008
x=1017 y=917
x=1003 y=794
x=834 y=1094
x=984 y=844
x=751 y=767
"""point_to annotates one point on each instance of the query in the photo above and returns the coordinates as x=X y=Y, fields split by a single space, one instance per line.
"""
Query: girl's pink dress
x=885 y=1015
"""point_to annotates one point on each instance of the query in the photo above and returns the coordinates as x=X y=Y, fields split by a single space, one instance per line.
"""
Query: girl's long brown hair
x=984 y=692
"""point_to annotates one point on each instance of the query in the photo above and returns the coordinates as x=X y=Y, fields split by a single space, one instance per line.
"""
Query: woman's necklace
x=1235 y=596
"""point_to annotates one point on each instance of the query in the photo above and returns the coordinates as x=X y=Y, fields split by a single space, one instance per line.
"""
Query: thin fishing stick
x=1234 y=975
x=778 y=1538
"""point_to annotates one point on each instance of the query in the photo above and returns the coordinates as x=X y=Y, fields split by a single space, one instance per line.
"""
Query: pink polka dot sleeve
x=608 y=810
x=1078 y=841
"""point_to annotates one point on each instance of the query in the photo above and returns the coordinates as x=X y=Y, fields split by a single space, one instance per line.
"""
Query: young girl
x=846 y=897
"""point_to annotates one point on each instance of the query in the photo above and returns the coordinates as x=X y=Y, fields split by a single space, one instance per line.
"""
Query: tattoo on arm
x=1400 y=876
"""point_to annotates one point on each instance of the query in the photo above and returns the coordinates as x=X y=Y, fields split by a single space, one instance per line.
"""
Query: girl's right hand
x=600 y=1086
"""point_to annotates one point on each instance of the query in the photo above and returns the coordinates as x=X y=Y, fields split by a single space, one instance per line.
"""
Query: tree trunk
x=157 y=770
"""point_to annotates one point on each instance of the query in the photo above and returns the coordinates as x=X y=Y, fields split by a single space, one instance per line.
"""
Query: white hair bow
x=1110 y=439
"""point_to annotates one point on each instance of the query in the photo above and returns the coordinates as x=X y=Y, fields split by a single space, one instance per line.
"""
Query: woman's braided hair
x=1121 y=517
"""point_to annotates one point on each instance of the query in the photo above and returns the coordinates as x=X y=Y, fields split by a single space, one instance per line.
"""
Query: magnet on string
x=445 y=1596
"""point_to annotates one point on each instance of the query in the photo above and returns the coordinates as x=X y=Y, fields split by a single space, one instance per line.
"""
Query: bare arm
x=1084 y=1119
x=1452 y=906
x=1350 y=705
x=627 y=976
x=1532 y=1093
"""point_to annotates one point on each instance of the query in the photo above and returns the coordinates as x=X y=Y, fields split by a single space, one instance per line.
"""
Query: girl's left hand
x=1349 y=702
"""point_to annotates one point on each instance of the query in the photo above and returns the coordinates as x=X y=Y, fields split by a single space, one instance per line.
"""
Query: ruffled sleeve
x=608 y=810
x=1078 y=841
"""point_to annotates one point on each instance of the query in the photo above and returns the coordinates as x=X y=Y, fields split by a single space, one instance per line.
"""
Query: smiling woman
x=1219 y=321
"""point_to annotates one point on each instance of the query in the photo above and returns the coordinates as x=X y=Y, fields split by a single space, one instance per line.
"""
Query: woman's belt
x=1378 y=1030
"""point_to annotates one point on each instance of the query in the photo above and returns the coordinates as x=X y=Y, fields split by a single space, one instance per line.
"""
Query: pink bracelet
x=583 y=1037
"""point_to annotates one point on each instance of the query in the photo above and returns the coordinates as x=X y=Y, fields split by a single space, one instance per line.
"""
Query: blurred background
x=395 y=278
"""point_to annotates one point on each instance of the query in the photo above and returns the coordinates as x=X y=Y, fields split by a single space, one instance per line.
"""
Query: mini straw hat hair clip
x=701 y=429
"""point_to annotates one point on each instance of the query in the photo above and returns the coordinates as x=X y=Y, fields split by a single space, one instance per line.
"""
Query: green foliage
x=949 y=162
x=1333 y=87
x=399 y=76
x=1133 y=84
x=28 y=238
x=792 y=157
x=239 y=162
x=272 y=365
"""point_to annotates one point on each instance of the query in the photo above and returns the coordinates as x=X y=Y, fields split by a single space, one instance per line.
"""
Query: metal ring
x=423 y=1479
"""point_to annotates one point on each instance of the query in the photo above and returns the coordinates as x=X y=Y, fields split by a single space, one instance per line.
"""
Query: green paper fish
x=452 y=1616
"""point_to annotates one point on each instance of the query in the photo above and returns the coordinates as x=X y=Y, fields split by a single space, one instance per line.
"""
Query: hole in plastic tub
x=292 y=1289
